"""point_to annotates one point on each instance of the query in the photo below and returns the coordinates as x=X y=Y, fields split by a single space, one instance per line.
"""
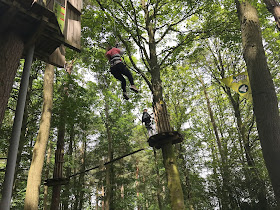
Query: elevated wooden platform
x=56 y=181
x=37 y=24
x=31 y=21
x=163 y=138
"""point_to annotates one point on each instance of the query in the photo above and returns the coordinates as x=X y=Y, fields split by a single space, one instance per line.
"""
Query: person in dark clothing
x=146 y=118
x=118 y=69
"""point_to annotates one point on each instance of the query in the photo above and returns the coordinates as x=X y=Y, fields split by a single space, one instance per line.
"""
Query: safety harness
x=115 y=59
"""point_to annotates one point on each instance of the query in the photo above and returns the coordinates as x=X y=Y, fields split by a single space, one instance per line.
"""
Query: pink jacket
x=114 y=56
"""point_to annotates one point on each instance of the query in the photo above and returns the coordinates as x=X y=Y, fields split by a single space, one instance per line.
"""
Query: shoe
x=133 y=87
x=125 y=96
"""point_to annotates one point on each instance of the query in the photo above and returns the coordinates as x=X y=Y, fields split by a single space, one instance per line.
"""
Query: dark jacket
x=146 y=118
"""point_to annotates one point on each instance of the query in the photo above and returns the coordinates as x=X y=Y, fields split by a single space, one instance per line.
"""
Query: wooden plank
x=57 y=58
x=77 y=4
x=37 y=32
x=8 y=17
x=163 y=138
x=73 y=28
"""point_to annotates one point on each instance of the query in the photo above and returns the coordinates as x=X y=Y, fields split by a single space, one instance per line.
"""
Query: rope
x=118 y=158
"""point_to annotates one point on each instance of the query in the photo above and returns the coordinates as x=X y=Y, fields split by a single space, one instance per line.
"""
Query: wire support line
x=115 y=159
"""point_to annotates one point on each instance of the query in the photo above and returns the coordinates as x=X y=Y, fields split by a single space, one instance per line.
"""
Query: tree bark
x=158 y=182
x=103 y=195
x=59 y=153
x=66 y=193
x=109 y=167
x=35 y=171
x=46 y=205
x=82 y=176
x=263 y=91
x=11 y=48
x=274 y=8
x=253 y=172
x=162 y=119
x=96 y=197
x=227 y=202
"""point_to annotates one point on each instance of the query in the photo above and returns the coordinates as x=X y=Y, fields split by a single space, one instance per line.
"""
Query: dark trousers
x=118 y=71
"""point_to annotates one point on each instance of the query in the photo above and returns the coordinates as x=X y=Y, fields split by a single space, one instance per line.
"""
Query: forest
x=83 y=146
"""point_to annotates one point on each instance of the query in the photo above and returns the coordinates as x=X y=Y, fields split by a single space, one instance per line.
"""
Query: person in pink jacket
x=118 y=69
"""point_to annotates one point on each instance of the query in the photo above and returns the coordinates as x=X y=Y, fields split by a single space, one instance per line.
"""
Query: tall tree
x=263 y=91
x=150 y=32
x=109 y=168
x=228 y=201
x=35 y=171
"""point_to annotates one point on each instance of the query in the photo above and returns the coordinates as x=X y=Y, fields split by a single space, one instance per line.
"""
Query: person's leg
x=125 y=71
x=117 y=74
x=149 y=130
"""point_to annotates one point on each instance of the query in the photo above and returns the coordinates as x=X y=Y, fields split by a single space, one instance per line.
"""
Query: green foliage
x=205 y=45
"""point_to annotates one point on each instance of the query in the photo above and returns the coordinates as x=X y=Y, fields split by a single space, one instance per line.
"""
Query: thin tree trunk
x=103 y=195
x=76 y=184
x=109 y=167
x=11 y=48
x=263 y=91
x=228 y=202
x=58 y=167
x=96 y=198
x=35 y=171
x=158 y=182
x=137 y=187
x=82 y=176
x=254 y=177
x=68 y=169
x=187 y=190
x=216 y=179
x=46 y=205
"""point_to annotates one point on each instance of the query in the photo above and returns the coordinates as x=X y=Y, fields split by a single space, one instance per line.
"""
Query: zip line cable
x=115 y=159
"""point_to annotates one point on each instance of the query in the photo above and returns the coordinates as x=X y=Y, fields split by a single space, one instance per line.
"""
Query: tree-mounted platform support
x=56 y=181
x=165 y=137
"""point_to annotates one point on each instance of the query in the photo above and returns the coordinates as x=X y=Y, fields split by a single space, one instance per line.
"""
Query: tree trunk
x=228 y=201
x=46 y=205
x=274 y=8
x=138 y=203
x=173 y=178
x=254 y=175
x=11 y=48
x=103 y=195
x=96 y=197
x=35 y=171
x=263 y=91
x=158 y=182
x=162 y=122
x=82 y=176
x=109 y=167
x=187 y=190
x=58 y=167
x=68 y=169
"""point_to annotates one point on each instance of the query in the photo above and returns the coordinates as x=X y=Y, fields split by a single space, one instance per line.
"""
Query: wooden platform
x=162 y=138
x=57 y=181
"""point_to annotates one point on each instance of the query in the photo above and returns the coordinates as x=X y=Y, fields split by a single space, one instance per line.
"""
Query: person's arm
x=107 y=55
